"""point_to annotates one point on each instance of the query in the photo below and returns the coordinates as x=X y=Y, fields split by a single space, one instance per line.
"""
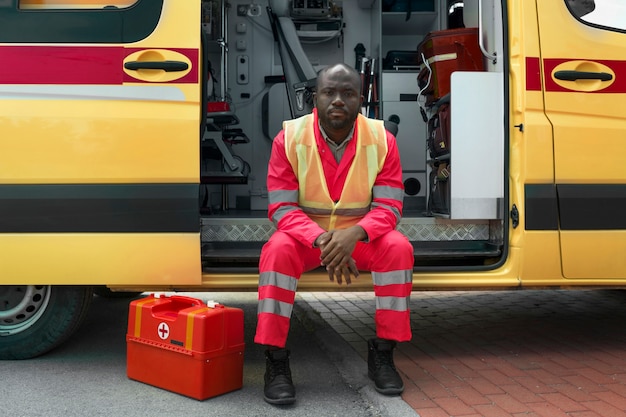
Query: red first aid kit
x=185 y=346
x=445 y=52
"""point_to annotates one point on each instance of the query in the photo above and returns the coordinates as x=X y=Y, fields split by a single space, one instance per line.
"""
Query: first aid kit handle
x=189 y=300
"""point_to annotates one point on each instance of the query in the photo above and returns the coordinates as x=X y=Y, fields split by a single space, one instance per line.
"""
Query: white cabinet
x=399 y=103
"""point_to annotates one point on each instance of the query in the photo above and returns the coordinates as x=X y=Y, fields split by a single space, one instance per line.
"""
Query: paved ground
x=506 y=353
x=511 y=353
x=86 y=376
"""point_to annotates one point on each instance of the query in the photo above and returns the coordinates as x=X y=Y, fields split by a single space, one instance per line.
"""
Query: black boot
x=381 y=368
x=279 y=387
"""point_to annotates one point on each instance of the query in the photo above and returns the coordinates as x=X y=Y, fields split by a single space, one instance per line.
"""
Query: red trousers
x=283 y=260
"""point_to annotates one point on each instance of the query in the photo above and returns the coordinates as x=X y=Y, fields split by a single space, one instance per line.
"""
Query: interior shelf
x=395 y=23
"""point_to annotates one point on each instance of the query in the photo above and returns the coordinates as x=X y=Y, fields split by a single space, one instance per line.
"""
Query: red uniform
x=387 y=253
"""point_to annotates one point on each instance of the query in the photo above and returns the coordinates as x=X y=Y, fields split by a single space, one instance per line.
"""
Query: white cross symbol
x=163 y=330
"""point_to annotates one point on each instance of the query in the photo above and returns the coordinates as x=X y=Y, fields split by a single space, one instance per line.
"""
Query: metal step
x=237 y=252
x=234 y=243
x=257 y=228
x=224 y=260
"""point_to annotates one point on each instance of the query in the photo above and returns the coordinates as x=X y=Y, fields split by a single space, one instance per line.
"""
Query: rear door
x=584 y=81
x=99 y=134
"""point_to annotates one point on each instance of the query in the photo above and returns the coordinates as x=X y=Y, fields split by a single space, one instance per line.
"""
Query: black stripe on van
x=541 y=207
x=99 y=208
x=107 y=25
x=592 y=206
x=575 y=206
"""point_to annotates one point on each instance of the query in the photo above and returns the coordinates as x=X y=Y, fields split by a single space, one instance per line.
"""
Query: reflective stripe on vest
x=314 y=197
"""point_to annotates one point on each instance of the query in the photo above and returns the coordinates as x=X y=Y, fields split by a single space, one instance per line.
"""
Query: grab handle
x=486 y=53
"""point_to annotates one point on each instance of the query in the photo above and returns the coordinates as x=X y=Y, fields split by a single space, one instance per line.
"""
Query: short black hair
x=353 y=73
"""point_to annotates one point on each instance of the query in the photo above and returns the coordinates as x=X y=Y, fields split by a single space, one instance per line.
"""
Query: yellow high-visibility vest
x=314 y=197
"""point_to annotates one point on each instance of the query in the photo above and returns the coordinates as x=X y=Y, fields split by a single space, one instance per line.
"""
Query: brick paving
x=537 y=353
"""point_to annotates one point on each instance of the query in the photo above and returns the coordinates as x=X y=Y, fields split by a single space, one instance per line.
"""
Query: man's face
x=338 y=100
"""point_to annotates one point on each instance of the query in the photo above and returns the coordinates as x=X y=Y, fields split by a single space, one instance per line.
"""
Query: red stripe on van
x=92 y=65
x=618 y=67
x=533 y=74
x=61 y=65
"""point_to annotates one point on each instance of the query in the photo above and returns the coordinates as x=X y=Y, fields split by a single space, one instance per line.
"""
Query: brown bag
x=439 y=132
x=439 y=195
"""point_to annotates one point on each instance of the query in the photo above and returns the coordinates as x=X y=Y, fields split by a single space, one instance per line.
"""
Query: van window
x=607 y=13
x=78 y=21
x=74 y=4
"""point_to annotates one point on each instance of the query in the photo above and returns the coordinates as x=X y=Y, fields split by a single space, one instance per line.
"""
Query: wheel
x=104 y=292
x=35 y=319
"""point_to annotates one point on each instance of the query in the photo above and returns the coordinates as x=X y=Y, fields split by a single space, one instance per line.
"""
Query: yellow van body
x=99 y=162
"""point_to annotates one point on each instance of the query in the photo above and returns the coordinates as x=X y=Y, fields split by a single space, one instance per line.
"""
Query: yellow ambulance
x=135 y=136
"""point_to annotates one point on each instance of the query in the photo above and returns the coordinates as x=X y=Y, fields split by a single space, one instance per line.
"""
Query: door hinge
x=515 y=216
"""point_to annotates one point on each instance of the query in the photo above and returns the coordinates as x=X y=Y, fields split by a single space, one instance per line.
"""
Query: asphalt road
x=86 y=376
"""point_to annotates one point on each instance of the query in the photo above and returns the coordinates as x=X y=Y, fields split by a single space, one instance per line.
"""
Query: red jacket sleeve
x=282 y=187
x=388 y=195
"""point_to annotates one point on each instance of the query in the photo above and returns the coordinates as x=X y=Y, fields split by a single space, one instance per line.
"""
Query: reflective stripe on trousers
x=283 y=260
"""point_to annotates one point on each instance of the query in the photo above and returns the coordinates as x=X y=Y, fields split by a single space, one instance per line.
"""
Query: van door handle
x=167 y=66
x=582 y=75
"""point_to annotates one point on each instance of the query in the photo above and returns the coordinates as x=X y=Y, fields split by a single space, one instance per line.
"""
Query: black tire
x=104 y=292
x=35 y=319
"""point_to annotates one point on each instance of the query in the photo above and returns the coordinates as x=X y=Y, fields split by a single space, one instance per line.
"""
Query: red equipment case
x=183 y=345
x=447 y=51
